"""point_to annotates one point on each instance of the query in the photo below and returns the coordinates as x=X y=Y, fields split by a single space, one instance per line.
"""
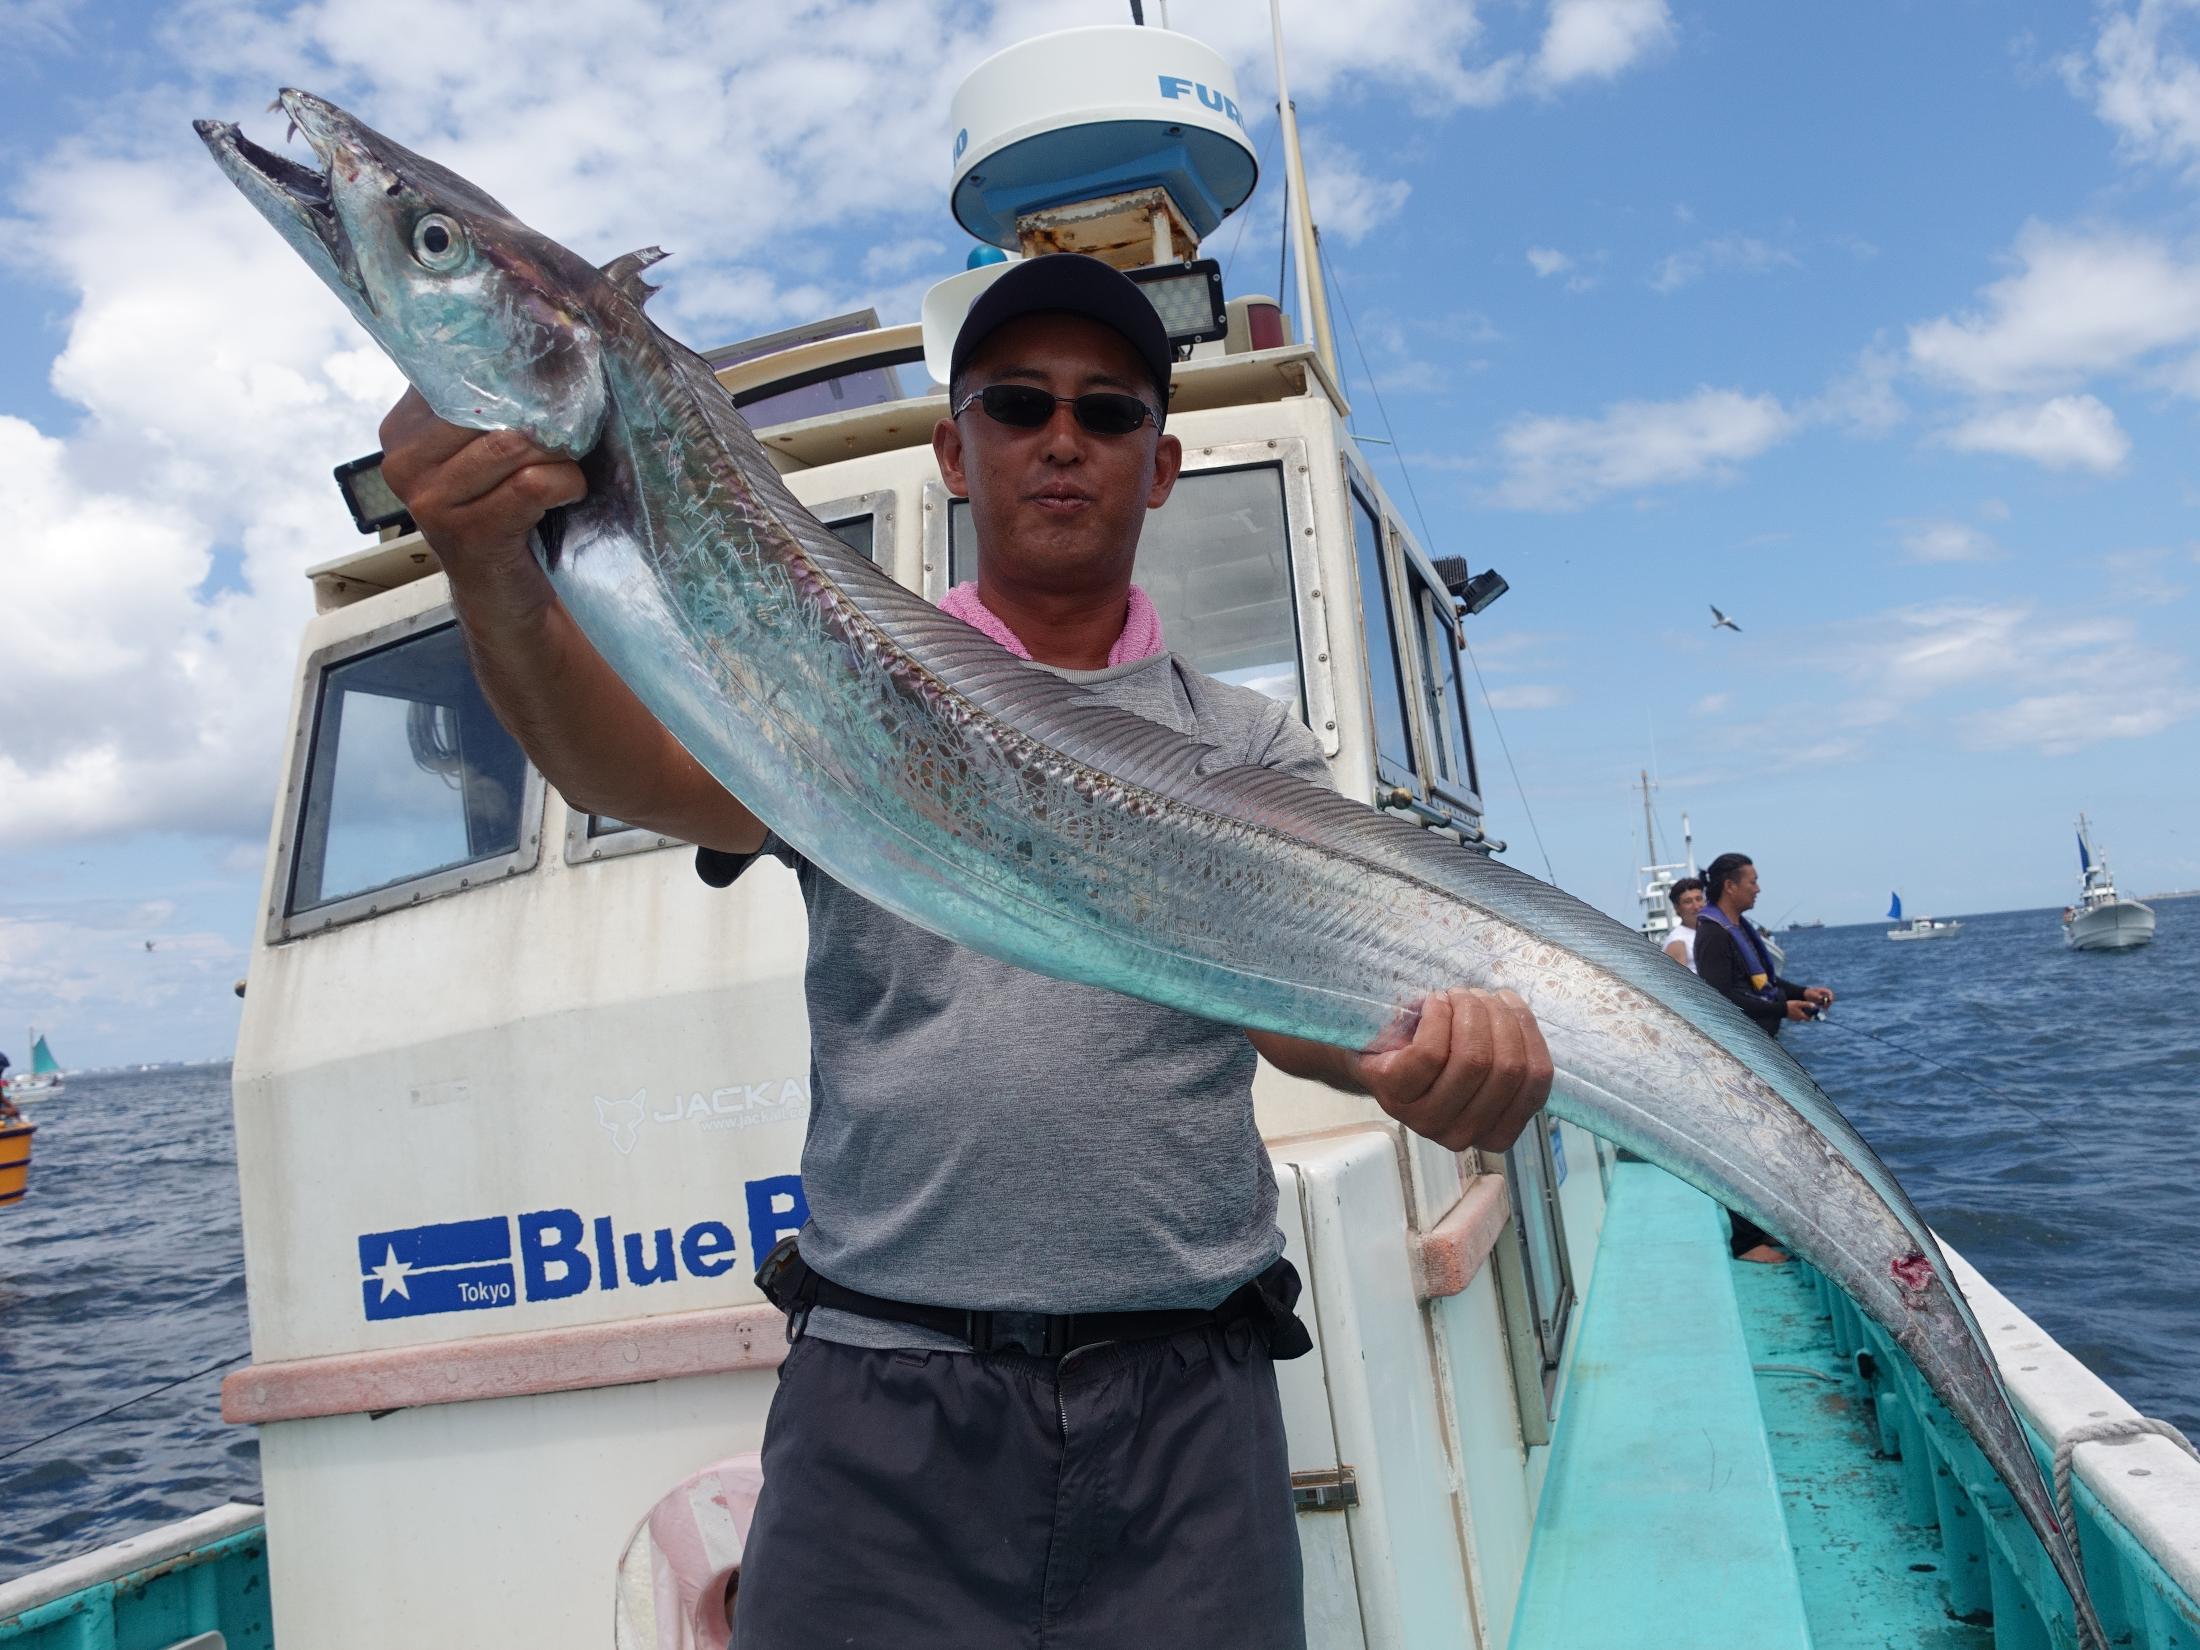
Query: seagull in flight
x=1719 y=621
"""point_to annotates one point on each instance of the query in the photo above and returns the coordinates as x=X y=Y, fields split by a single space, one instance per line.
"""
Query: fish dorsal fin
x=625 y=273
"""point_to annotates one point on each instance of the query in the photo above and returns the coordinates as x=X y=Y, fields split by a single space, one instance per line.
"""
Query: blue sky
x=1879 y=326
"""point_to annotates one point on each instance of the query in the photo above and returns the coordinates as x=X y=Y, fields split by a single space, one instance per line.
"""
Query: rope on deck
x=2101 y=1432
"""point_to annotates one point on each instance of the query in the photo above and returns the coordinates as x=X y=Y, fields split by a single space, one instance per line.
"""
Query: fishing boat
x=15 y=1159
x=519 y=1105
x=1918 y=928
x=2103 y=920
x=44 y=1079
x=1654 y=889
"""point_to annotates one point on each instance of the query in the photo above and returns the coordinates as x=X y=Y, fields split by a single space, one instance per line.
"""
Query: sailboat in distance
x=44 y=1079
x=1917 y=928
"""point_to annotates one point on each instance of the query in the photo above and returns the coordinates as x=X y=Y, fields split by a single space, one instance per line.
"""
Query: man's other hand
x=476 y=494
x=1475 y=1070
x=1800 y=1008
x=1818 y=996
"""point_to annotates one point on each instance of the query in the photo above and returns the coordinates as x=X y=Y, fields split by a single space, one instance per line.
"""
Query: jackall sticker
x=497 y=1261
x=733 y=1106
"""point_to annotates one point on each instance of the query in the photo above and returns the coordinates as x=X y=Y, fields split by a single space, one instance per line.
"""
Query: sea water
x=2071 y=1185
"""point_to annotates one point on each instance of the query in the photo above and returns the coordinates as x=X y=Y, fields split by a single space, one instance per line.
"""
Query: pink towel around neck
x=1141 y=638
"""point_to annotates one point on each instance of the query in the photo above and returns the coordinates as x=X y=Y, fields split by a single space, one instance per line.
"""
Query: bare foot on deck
x=1765 y=1254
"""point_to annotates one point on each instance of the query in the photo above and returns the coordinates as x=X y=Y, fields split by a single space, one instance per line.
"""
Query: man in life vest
x=1731 y=956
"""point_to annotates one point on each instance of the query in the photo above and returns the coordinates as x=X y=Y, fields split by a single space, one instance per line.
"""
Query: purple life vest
x=1764 y=979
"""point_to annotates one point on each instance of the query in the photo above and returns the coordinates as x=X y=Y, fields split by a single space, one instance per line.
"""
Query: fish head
x=489 y=320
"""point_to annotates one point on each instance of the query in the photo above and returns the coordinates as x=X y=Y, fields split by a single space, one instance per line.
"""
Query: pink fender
x=673 y=1574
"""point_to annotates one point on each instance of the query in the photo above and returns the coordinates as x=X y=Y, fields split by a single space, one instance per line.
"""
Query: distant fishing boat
x=1918 y=928
x=44 y=1080
x=1805 y=927
x=2102 y=920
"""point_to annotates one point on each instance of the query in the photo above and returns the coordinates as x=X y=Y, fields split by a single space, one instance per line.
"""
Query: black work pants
x=1136 y=1493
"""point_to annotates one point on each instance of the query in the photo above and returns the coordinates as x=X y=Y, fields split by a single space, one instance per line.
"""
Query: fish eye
x=438 y=242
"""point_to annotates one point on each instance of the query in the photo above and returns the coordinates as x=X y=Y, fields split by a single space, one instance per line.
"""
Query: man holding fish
x=1036 y=1306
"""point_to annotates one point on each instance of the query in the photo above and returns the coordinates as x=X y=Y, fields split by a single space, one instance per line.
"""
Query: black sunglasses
x=1027 y=407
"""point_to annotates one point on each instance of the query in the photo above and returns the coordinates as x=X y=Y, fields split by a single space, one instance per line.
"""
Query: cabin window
x=1216 y=561
x=409 y=779
x=1386 y=683
x=1532 y=1168
x=1443 y=694
x=873 y=381
x=858 y=534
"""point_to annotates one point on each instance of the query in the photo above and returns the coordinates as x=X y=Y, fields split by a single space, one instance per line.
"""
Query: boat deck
x=1716 y=1476
x=1871 y=1579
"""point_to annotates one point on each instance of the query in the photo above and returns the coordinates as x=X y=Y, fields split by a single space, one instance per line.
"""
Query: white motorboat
x=2103 y=920
x=1918 y=928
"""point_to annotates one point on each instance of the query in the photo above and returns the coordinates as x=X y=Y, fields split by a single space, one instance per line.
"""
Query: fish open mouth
x=288 y=194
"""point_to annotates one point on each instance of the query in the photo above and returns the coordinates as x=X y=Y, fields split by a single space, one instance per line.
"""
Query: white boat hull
x=1939 y=931
x=2115 y=927
x=27 y=1089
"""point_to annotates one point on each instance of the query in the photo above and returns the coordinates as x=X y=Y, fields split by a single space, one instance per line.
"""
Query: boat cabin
x=520 y=1101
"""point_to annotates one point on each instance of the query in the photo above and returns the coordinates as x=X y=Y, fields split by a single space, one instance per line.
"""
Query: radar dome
x=1085 y=114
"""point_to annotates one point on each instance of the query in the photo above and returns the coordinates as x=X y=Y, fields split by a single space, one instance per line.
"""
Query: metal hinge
x=1331 y=1491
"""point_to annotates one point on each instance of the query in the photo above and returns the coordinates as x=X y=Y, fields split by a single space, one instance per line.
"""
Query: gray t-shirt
x=982 y=1136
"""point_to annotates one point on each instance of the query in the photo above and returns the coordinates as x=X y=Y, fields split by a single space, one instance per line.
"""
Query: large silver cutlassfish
x=927 y=769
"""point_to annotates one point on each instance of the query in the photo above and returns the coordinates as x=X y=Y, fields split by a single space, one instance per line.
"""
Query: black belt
x=792 y=1285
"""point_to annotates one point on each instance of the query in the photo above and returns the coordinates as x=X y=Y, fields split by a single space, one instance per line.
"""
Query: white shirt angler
x=1687 y=937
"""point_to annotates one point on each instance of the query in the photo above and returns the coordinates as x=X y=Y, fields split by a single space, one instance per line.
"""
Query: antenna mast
x=1313 y=300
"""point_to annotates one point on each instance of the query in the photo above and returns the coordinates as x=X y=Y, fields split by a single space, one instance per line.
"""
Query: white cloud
x=1349 y=201
x=2142 y=81
x=1741 y=254
x=2078 y=306
x=2078 y=679
x=1993 y=509
x=1944 y=540
x=2070 y=432
x=1711 y=704
x=157 y=542
x=1529 y=696
x=2141 y=576
x=1864 y=397
x=86 y=965
x=1600 y=38
x=1548 y=261
x=33 y=25
x=1556 y=463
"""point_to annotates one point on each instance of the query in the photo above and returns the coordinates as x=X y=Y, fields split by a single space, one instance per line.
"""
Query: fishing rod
x=116 y=1409
x=1820 y=1017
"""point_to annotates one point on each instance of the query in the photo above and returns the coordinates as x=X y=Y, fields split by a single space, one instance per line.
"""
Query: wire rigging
x=1245 y=218
x=1329 y=265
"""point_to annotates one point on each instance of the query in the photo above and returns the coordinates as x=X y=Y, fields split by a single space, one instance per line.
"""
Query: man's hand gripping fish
x=924 y=767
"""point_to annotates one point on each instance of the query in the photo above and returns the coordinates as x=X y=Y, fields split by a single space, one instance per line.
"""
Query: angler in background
x=1688 y=899
x=1729 y=954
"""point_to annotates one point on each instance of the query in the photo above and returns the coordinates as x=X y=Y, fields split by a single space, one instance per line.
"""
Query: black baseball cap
x=1070 y=283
